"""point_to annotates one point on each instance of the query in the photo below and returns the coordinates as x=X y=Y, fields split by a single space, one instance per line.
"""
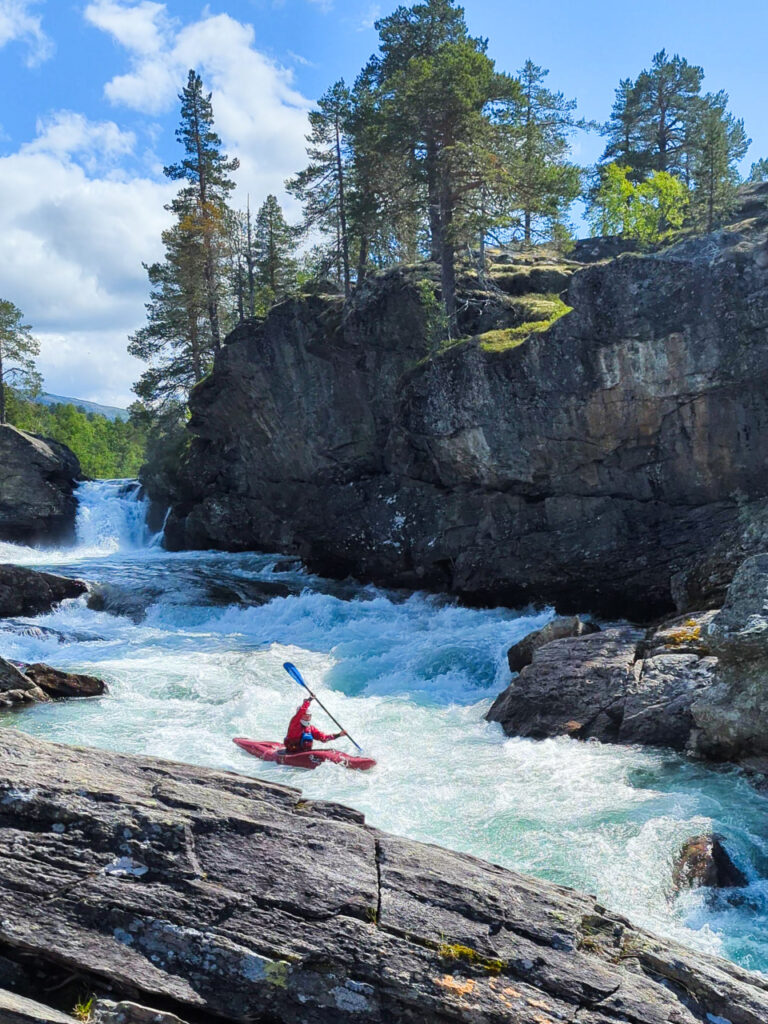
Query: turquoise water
x=411 y=676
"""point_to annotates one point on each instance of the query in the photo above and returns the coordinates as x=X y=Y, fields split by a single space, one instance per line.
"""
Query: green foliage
x=721 y=141
x=83 y=1009
x=105 y=448
x=542 y=182
x=18 y=348
x=661 y=123
x=758 y=171
x=435 y=319
x=274 y=255
x=646 y=211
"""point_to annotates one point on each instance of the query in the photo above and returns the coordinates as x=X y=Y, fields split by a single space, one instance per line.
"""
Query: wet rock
x=119 y=600
x=584 y=467
x=15 y=1009
x=623 y=685
x=37 y=480
x=705 y=861
x=521 y=653
x=258 y=905
x=58 y=684
x=16 y=688
x=29 y=592
x=30 y=683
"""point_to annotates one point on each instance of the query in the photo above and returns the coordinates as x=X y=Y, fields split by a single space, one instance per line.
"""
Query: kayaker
x=301 y=733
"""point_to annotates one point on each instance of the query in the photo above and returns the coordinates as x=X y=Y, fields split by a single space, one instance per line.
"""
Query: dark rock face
x=622 y=685
x=613 y=463
x=521 y=653
x=37 y=480
x=29 y=592
x=222 y=897
x=732 y=716
x=704 y=860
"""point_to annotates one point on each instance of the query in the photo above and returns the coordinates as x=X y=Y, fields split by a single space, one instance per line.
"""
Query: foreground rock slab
x=37 y=481
x=29 y=592
x=214 y=896
x=15 y=1009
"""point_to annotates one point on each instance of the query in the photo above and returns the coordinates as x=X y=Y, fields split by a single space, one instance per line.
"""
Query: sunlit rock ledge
x=220 y=897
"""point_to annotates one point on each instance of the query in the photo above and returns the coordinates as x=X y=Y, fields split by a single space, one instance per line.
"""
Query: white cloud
x=96 y=144
x=71 y=251
x=18 y=22
x=259 y=114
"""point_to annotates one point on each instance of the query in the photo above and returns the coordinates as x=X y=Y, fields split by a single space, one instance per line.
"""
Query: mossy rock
x=523 y=280
x=510 y=337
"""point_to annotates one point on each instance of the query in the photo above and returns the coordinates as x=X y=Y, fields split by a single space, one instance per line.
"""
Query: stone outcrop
x=29 y=592
x=622 y=685
x=29 y=684
x=16 y=1009
x=732 y=716
x=218 y=897
x=521 y=653
x=705 y=861
x=37 y=481
x=613 y=462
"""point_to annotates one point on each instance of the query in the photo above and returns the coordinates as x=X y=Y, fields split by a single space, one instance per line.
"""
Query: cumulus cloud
x=260 y=115
x=17 y=21
x=72 y=247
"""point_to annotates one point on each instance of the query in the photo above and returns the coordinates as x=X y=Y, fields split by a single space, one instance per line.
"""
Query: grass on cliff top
x=510 y=337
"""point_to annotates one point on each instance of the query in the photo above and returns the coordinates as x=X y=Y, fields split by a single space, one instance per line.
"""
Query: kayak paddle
x=294 y=673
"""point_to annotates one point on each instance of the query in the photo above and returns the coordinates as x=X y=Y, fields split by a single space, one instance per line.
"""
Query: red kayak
x=269 y=751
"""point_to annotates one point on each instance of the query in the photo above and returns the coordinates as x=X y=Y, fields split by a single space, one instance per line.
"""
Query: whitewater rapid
x=197 y=658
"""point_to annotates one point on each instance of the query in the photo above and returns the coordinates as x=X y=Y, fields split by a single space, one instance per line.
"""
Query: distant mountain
x=110 y=411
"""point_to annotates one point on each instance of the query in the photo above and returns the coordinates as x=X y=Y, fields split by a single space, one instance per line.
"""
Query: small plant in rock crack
x=83 y=1009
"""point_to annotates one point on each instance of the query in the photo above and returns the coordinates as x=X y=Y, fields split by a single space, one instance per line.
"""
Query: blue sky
x=90 y=109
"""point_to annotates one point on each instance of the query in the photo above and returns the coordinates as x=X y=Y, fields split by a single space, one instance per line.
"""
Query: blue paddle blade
x=294 y=673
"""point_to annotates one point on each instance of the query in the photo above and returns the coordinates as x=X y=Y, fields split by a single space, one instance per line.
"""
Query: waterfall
x=111 y=516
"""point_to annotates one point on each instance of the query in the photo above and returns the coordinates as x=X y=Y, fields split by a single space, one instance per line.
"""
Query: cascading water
x=412 y=675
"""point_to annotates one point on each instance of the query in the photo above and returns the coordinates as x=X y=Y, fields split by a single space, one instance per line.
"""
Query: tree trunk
x=527 y=229
x=249 y=262
x=362 y=259
x=2 y=388
x=447 y=266
x=209 y=271
x=342 y=213
x=433 y=203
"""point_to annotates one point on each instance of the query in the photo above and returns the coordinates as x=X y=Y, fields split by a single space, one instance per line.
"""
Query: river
x=196 y=658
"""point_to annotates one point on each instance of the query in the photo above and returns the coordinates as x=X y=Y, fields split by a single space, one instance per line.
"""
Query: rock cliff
x=213 y=896
x=37 y=480
x=613 y=462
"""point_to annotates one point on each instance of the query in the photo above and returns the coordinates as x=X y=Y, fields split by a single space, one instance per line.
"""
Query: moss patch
x=689 y=632
x=511 y=337
x=470 y=956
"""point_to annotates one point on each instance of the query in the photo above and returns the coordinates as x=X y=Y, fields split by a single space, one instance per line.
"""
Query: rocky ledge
x=29 y=592
x=698 y=682
x=37 y=481
x=216 y=896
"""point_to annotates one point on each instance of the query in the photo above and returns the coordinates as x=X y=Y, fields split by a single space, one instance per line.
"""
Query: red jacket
x=296 y=730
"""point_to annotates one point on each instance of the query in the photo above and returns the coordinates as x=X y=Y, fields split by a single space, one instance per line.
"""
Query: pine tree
x=201 y=204
x=176 y=340
x=665 y=97
x=544 y=182
x=758 y=171
x=720 y=142
x=18 y=347
x=274 y=248
x=323 y=186
x=434 y=87
x=624 y=129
